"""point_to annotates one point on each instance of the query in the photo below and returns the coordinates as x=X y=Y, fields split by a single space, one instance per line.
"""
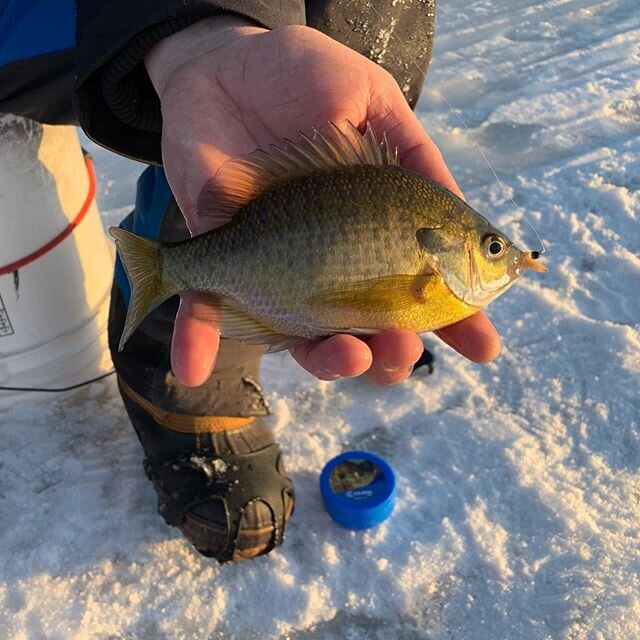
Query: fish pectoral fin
x=378 y=294
x=235 y=324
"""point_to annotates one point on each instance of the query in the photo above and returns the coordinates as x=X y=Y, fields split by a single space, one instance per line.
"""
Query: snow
x=519 y=481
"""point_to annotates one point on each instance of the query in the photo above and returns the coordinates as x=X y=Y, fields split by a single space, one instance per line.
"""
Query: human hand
x=227 y=87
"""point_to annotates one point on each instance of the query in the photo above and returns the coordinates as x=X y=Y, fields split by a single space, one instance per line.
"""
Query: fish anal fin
x=386 y=293
x=235 y=324
x=243 y=178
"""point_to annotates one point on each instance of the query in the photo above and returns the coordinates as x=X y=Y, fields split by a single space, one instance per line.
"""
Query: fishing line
x=61 y=389
x=467 y=129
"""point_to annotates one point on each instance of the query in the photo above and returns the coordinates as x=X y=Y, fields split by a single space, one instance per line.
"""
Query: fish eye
x=494 y=247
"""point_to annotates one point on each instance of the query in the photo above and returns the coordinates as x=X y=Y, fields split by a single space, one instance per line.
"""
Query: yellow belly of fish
x=434 y=308
x=440 y=308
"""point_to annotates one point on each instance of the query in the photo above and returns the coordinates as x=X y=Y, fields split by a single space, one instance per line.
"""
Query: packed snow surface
x=518 y=513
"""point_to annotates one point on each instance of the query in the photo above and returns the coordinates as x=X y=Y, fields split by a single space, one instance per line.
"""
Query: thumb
x=195 y=343
x=390 y=114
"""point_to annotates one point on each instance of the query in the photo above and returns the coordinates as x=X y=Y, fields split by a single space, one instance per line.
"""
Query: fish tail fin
x=143 y=262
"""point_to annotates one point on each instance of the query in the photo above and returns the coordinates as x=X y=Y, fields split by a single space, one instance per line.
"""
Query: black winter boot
x=213 y=462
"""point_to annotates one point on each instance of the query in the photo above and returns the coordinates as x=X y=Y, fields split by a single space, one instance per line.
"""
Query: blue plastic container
x=358 y=489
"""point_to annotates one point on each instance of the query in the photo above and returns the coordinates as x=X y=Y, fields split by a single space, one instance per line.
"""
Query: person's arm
x=116 y=103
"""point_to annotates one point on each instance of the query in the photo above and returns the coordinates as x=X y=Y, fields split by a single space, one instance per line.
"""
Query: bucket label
x=5 y=324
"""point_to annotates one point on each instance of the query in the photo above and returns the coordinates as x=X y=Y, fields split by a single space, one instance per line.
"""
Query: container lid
x=358 y=489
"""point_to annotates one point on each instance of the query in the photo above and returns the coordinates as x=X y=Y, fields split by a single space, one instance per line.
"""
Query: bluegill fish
x=328 y=235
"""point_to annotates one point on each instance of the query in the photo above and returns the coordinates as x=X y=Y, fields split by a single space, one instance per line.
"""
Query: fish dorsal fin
x=243 y=178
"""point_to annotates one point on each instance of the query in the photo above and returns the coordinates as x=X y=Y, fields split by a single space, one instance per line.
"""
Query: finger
x=194 y=346
x=340 y=356
x=426 y=158
x=188 y=180
x=193 y=161
x=390 y=114
x=475 y=338
x=394 y=354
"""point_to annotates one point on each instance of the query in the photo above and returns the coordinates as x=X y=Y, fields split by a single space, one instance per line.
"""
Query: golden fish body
x=276 y=263
x=350 y=247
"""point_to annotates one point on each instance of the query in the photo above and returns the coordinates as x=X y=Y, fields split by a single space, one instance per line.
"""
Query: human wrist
x=178 y=49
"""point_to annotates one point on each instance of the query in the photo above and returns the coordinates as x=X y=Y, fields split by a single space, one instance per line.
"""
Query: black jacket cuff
x=114 y=99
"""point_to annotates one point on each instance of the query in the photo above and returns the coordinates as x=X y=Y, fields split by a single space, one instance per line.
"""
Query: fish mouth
x=530 y=261
x=482 y=298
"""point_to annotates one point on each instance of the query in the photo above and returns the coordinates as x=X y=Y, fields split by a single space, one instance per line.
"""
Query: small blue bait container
x=358 y=489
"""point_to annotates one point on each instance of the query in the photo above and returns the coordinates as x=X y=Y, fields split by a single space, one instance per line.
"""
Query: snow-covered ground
x=518 y=514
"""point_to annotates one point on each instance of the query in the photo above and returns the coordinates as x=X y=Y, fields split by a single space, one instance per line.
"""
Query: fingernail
x=327 y=365
x=387 y=368
x=323 y=374
x=398 y=370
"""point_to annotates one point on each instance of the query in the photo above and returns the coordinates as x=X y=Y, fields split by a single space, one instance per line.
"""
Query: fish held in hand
x=329 y=235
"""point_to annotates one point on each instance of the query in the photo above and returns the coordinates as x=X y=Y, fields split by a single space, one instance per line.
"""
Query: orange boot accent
x=185 y=422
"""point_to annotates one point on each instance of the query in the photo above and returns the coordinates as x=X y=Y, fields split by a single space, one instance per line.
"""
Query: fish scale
x=344 y=236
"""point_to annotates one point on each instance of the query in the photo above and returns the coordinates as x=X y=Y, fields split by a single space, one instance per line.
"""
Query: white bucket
x=54 y=308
